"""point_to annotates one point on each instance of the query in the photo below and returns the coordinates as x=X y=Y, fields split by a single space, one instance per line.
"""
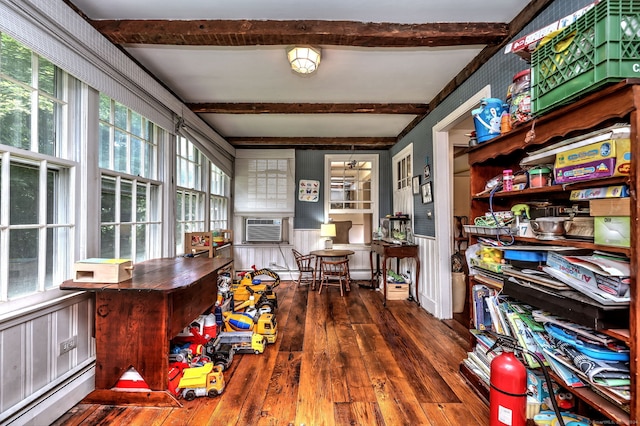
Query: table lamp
x=328 y=230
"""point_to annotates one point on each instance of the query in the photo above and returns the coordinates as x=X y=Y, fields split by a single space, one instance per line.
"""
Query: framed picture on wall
x=416 y=185
x=427 y=172
x=427 y=196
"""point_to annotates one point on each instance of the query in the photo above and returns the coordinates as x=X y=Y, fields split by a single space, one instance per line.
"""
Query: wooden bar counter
x=136 y=319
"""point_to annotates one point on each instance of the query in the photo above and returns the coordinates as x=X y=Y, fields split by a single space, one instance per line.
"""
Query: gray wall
x=310 y=165
x=498 y=72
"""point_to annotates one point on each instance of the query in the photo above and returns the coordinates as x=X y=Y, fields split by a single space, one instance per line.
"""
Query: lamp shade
x=304 y=59
x=328 y=230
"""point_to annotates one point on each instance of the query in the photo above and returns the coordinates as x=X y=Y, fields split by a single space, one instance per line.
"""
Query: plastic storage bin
x=600 y=47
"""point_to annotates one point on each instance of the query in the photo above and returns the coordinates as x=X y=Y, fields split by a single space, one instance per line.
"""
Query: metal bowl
x=549 y=225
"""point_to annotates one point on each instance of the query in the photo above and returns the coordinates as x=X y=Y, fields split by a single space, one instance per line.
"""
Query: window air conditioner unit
x=263 y=230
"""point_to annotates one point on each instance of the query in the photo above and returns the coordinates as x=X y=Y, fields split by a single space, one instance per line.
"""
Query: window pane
x=108 y=201
x=136 y=124
x=15 y=115
x=23 y=262
x=105 y=139
x=47 y=113
x=107 y=241
x=120 y=117
x=137 y=156
x=15 y=60
x=126 y=199
x=53 y=198
x=24 y=195
x=141 y=203
x=120 y=152
x=46 y=77
x=126 y=242
x=141 y=242
x=154 y=203
x=58 y=245
x=105 y=108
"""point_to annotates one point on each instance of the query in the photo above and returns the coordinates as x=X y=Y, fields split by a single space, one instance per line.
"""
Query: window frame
x=375 y=185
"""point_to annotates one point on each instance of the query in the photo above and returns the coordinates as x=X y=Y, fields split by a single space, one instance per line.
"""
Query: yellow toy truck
x=200 y=381
x=264 y=324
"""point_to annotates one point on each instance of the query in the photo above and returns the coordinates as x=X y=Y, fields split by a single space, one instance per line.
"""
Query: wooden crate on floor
x=397 y=291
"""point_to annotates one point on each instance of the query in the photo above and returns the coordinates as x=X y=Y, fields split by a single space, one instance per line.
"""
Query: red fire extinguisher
x=508 y=394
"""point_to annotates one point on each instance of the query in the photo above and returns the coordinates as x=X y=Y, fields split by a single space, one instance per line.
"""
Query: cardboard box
x=610 y=207
x=619 y=149
x=612 y=230
x=587 y=171
x=611 y=277
x=607 y=158
x=397 y=291
x=615 y=191
x=96 y=270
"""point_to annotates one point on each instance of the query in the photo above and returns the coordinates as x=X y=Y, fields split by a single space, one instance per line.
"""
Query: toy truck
x=264 y=324
x=265 y=298
x=243 y=341
x=200 y=381
x=221 y=354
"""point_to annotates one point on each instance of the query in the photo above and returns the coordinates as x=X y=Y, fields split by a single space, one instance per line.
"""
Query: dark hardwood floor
x=337 y=361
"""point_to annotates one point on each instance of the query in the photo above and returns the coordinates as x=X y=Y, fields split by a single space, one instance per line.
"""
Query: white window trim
x=403 y=199
x=375 y=184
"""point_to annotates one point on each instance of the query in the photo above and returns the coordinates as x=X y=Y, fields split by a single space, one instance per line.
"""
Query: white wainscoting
x=307 y=240
x=37 y=383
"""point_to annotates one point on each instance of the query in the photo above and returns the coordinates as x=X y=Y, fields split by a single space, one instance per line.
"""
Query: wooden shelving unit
x=613 y=104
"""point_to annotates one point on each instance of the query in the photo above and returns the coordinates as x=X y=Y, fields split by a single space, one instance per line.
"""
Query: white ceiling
x=347 y=74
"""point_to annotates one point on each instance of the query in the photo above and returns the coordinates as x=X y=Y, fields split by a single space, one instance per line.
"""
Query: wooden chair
x=335 y=273
x=306 y=267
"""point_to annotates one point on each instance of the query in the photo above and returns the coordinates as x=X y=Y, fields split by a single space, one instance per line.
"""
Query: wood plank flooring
x=338 y=361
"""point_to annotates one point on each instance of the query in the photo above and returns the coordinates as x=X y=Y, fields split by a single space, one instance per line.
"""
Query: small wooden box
x=397 y=291
x=96 y=270
x=610 y=207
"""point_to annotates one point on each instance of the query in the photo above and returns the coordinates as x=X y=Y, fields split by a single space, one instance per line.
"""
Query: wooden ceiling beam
x=352 y=143
x=304 y=108
x=315 y=32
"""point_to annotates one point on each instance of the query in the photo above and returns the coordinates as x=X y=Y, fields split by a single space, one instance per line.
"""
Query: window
x=218 y=201
x=403 y=177
x=127 y=140
x=264 y=182
x=404 y=171
x=37 y=229
x=36 y=202
x=351 y=193
x=190 y=195
x=130 y=221
x=130 y=225
x=31 y=94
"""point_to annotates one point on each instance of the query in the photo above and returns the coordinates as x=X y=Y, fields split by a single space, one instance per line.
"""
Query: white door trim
x=443 y=208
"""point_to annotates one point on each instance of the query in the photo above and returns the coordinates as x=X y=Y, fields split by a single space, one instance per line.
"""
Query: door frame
x=443 y=208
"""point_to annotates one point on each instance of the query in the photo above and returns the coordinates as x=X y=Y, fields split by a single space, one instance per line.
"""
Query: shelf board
x=621 y=334
x=571 y=305
x=618 y=180
x=580 y=244
x=602 y=405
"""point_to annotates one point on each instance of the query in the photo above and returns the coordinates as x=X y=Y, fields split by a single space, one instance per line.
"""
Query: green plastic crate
x=600 y=47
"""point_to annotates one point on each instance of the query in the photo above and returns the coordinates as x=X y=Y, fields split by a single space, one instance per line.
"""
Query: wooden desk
x=388 y=250
x=135 y=319
x=332 y=254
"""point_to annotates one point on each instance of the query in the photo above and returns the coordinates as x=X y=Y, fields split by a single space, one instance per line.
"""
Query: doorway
x=446 y=136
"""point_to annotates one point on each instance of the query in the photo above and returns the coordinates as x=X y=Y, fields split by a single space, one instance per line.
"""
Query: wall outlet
x=69 y=344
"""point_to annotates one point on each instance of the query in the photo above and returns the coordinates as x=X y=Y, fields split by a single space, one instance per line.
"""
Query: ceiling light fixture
x=304 y=59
